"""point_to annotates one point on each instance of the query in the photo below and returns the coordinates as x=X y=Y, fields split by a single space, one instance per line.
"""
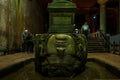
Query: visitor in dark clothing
x=24 y=41
x=30 y=43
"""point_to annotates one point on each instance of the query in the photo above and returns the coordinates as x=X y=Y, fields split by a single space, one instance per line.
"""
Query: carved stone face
x=61 y=54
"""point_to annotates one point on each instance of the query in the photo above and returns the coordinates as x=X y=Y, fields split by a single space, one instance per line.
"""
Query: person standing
x=76 y=31
x=30 y=43
x=24 y=41
x=85 y=29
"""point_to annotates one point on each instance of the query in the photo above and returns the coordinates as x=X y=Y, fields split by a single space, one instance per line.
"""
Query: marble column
x=102 y=15
x=119 y=18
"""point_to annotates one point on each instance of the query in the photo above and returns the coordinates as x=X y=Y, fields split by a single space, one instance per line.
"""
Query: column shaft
x=119 y=18
x=103 y=18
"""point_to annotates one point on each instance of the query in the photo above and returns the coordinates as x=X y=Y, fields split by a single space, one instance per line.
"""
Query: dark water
x=93 y=71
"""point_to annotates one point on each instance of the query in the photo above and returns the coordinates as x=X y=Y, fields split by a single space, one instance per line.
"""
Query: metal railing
x=115 y=47
x=106 y=39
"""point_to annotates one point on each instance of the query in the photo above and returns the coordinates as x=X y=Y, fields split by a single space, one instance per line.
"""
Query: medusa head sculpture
x=60 y=54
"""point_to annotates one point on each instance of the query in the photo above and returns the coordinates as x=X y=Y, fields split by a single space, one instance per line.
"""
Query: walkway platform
x=108 y=58
x=11 y=59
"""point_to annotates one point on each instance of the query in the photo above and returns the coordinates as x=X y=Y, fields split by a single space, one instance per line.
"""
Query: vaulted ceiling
x=89 y=3
x=86 y=5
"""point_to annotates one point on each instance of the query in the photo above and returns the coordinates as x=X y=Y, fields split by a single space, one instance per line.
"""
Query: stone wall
x=11 y=24
x=17 y=15
x=4 y=22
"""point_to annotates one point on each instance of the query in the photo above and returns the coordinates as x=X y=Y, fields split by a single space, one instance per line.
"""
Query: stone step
x=96 y=45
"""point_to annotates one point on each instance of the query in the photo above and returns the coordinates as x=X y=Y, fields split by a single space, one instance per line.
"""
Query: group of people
x=84 y=29
x=27 y=38
x=27 y=42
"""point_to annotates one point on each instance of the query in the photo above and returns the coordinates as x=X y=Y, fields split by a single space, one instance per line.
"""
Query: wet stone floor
x=93 y=71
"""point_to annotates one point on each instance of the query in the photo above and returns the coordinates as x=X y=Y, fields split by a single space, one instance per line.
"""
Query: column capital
x=101 y=2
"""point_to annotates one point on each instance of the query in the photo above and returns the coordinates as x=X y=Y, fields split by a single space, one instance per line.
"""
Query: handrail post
x=106 y=38
x=114 y=47
x=119 y=47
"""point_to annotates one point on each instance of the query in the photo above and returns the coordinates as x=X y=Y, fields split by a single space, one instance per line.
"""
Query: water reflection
x=93 y=71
